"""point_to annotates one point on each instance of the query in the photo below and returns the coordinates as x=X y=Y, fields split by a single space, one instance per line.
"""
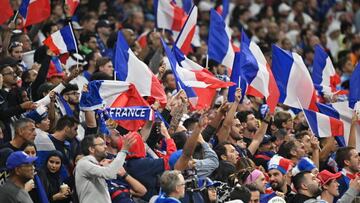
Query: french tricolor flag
x=186 y=35
x=323 y=125
x=111 y=93
x=324 y=76
x=220 y=47
x=130 y=69
x=293 y=79
x=34 y=11
x=256 y=71
x=6 y=10
x=62 y=41
x=341 y=111
x=354 y=90
x=192 y=72
x=168 y=15
x=179 y=74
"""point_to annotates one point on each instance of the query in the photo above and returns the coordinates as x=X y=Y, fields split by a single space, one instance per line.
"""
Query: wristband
x=125 y=175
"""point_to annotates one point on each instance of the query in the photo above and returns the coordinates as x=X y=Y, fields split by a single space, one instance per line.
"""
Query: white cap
x=205 y=6
x=283 y=7
x=334 y=26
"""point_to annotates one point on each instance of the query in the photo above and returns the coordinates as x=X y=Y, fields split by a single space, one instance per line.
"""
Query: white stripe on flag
x=228 y=60
x=324 y=127
x=59 y=42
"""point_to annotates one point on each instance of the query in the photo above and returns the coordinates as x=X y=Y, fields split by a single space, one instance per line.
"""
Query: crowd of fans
x=229 y=152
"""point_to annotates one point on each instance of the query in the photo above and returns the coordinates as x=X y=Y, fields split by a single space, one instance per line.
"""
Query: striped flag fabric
x=62 y=41
x=34 y=11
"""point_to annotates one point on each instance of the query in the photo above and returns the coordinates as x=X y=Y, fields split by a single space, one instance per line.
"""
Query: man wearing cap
x=278 y=168
x=330 y=187
x=10 y=102
x=71 y=101
x=21 y=171
x=266 y=151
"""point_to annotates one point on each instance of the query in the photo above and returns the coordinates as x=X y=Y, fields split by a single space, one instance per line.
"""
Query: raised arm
x=352 y=135
x=189 y=147
x=224 y=131
x=259 y=135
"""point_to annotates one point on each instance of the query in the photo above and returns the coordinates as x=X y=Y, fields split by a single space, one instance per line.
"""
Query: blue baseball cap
x=18 y=158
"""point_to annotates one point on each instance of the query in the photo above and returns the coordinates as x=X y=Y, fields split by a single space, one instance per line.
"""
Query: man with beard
x=90 y=176
x=21 y=171
x=72 y=97
x=250 y=123
x=307 y=186
x=103 y=29
x=278 y=169
x=347 y=159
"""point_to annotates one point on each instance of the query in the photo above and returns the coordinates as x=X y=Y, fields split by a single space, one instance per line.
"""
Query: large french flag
x=354 y=92
x=341 y=111
x=324 y=76
x=191 y=73
x=256 y=71
x=323 y=125
x=111 y=93
x=180 y=74
x=187 y=33
x=168 y=15
x=220 y=47
x=62 y=41
x=293 y=79
x=34 y=11
x=6 y=10
x=130 y=69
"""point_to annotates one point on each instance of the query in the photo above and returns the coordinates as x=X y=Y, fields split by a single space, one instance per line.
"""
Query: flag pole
x=15 y=16
x=207 y=61
x=307 y=120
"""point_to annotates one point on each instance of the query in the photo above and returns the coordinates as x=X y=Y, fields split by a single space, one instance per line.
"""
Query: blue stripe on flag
x=328 y=110
x=218 y=42
x=68 y=37
x=56 y=61
x=318 y=67
x=235 y=77
x=281 y=66
x=311 y=118
x=23 y=9
x=121 y=57
x=354 y=92
x=248 y=64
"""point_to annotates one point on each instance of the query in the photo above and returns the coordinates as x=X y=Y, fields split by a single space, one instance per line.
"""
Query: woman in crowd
x=56 y=190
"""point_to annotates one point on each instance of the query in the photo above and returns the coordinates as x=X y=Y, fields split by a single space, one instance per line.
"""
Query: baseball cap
x=18 y=158
x=267 y=139
x=325 y=176
x=37 y=114
x=102 y=23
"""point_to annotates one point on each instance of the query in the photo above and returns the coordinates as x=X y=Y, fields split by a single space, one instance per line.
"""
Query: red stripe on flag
x=6 y=11
x=179 y=18
x=337 y=127
x=186 y=47
x=49 y=43
x=205 y=97
x=38 y=11
x=274 y=92
x=312 y=105
x=157 y=91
